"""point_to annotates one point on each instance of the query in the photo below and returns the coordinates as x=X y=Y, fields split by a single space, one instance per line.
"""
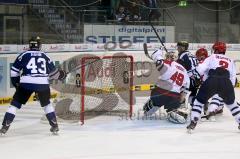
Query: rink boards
x=143 y=67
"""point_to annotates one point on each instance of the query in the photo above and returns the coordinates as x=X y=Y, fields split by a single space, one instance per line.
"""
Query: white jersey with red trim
x=173 y=77
x=217 y=60
x=205 y=75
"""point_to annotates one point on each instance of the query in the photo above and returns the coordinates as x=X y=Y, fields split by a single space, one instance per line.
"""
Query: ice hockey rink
x=29 y=138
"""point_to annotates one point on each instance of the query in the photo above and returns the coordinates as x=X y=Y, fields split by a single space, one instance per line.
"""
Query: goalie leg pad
x=149 y=109
x=177 y=117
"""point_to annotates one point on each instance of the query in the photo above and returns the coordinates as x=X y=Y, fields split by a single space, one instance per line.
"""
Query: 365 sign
x=132 y=33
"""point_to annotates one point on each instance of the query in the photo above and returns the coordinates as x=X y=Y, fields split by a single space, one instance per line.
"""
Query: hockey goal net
x=100 y=87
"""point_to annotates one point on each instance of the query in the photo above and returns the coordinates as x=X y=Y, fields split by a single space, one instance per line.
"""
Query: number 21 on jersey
x=37 y=65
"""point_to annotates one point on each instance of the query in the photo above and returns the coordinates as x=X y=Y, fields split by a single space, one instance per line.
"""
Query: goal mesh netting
x=102 y=86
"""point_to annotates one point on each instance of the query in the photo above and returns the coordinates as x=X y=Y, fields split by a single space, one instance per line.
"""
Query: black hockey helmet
x=35 y=43
x=183 y=44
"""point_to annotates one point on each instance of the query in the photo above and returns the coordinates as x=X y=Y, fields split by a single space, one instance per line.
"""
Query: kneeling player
x=173 y=79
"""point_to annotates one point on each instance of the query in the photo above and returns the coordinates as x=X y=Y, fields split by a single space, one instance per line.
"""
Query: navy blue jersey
x=34 y=68
x=189 y=62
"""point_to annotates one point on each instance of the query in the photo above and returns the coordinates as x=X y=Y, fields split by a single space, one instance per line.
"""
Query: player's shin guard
x=220 y=108
x=196 y=110
x=216 y=105
x=8 y=119
x=195 y=114
x=235 y=110
x=51 y=116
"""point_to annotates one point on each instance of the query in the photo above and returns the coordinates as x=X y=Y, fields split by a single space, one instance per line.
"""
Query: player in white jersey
x=172 y=80
x=216 y=103
x=221 y=80
x=30 y=73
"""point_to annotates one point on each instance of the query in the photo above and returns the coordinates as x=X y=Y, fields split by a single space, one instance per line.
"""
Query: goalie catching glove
x=58 y=74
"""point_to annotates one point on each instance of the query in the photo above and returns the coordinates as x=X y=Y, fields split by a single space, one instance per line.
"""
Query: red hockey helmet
x=219 y=48
x=201 y=54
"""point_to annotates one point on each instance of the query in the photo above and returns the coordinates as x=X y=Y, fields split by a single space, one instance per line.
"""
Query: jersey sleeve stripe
x=14 y=73
x=15 y=69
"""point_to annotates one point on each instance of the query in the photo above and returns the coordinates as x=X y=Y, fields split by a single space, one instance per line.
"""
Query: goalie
x=172 y=83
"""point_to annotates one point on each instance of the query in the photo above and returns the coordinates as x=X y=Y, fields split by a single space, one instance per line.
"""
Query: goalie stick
x=80 y=66
x=145 y=49
x=154 y=29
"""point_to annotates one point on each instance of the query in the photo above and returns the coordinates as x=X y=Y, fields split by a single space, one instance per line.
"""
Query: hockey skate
x=219 y=111
x=210 y=116
x=4 y=129
x=191 y=127
x=54 y=130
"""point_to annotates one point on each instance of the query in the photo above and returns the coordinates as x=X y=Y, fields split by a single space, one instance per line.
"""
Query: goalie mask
x=201 y=54
x=35 y=44
x=219 y=48
x=171 y=56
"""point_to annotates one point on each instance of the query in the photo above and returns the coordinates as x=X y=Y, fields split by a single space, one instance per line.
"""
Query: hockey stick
x=80 y=66
x=154 y=29
x=146 y=50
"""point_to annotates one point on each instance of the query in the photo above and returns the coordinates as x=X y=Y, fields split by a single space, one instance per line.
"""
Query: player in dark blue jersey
x=189 y=62
x=30 y=73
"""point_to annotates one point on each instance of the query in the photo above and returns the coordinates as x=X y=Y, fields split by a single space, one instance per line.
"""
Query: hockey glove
x=62 y=75
x=57 y=74
x=15 y=81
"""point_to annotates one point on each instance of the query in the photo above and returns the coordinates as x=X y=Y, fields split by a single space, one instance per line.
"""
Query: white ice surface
x=28 y=138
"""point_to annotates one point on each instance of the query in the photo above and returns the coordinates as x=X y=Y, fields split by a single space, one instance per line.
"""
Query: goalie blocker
x=172 y=81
